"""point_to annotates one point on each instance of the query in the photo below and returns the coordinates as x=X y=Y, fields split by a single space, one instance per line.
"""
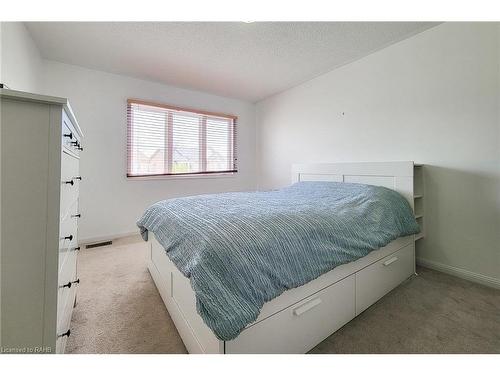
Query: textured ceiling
x=249 y=61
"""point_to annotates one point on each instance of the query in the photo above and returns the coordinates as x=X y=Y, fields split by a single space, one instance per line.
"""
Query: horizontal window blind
x=168 y=140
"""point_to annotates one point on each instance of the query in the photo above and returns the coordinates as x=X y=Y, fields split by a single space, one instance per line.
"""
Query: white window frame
x=203 y=158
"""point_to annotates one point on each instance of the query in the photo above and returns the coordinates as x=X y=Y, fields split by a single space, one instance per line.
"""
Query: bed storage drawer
x=301 y=326
x=381 y=277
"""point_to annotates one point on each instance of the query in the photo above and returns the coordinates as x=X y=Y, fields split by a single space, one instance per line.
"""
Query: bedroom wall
x=434 y=99
x=111 y=203
x=20 y=58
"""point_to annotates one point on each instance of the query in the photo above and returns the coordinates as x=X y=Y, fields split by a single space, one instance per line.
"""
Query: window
x=166 y=140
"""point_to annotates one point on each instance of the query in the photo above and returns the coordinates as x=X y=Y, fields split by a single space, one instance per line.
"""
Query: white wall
x=110 y=203
x=432 y=98
x=20 y=59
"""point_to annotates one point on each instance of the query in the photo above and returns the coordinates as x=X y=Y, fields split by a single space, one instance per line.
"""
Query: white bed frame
x=300 y=318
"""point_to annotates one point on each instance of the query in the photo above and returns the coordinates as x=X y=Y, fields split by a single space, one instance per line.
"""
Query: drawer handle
x=70 y=237
x=77 y=215
x=76 y=248
x=306 y=307
x=70 y=135
x=70 y=182
x=67 y=333
x=390 y=261
x=67 y=285
x=79 y=178
x=77 y=145
x=77 y=281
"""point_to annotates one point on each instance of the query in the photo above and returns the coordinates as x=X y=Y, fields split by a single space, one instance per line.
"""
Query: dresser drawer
x=64 y=252
x=381 y=277
x=71 y=140
x=300 y=327
x=61 y=344
x=68 y=230
x=64 y=321
x=66 y=292
x=70 y=182
x=67 y=274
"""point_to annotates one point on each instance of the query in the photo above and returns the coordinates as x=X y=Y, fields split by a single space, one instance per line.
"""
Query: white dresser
x=41 y=144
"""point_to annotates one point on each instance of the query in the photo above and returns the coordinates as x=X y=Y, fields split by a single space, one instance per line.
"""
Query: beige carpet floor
x=120 y=311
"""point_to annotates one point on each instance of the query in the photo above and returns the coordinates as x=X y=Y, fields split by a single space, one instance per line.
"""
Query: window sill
x=184 y=177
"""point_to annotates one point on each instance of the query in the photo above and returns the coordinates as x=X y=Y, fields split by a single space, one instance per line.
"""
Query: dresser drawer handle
x=390 y=261
x=67 y=285
x=70 y=182
x=306 y=307
x=70 y=135
x=67 y=333
x=79 y=148
x=77 y=281
x=76 y=248
x=77 y=215
x=70 y=237
x=79 y=178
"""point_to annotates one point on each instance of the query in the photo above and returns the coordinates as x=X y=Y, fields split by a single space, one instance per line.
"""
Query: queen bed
x=257 y=273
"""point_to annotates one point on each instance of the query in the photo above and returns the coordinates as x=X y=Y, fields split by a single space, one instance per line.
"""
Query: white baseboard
x=86 y=241
x=460 y=272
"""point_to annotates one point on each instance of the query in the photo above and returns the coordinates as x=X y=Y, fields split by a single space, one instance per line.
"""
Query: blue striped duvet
x=240 y=250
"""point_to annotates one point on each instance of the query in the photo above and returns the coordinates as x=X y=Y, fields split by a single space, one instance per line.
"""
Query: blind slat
x=166 y=140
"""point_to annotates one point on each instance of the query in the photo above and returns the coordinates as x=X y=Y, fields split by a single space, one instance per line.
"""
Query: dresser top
x=30 y=97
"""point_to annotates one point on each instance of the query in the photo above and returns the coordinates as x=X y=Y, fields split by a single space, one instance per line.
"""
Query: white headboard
x=396 y=175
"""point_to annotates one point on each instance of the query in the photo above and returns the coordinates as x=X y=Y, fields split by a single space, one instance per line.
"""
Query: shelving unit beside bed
x=418 y=198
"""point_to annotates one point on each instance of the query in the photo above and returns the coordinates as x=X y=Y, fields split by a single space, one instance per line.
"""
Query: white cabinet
x=41 y=144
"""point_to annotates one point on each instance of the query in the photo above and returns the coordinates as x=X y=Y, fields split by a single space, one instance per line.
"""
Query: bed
x=301 y=317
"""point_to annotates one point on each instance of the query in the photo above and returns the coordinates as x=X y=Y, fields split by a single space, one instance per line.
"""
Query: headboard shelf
x=405 y=177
